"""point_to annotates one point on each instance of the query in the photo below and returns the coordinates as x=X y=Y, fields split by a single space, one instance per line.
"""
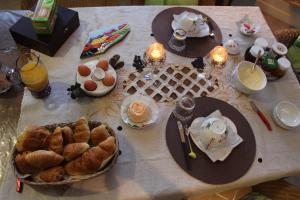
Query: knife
x=261 y=115
x=183 y=144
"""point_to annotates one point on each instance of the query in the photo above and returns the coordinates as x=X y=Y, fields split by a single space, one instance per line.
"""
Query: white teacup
x=213 y=130
x=189 y=21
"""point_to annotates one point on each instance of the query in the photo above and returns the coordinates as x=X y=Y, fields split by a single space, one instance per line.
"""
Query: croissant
x=91 y=160
x=109 y=145
x=74 y=150
x=67 y=134
x=82 y=131
x=55 y=141
x=22 y=165
x=53 y=174
x=43 y=159
x=99 y=134
x=32 y=138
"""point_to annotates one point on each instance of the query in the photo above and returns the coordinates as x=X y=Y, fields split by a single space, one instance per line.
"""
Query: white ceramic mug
x=213 y=130
x=189 y=22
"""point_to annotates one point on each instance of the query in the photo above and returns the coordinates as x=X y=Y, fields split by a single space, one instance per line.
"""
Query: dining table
x=145 y=169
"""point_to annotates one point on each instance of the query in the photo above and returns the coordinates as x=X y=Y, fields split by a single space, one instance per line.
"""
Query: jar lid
x=255 y=49
x=262 y=42
x=283 y=63
x=279 y=48
x=270 y=62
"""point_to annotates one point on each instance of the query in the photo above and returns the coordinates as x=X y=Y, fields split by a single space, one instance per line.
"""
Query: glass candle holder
x=34 y=75
x=154 y=56
x=219 y=55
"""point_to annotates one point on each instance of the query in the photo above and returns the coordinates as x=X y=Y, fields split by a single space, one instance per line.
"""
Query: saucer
x=247 y=27
x=286 y=115
x=153 y=114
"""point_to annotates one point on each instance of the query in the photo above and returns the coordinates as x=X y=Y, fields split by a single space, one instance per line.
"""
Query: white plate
x=153 y=115
x=101 y=88
x=201 y=31
x=286 y=115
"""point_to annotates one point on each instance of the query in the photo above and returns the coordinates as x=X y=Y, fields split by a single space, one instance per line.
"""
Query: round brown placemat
x=195 y=47
x=202 y=168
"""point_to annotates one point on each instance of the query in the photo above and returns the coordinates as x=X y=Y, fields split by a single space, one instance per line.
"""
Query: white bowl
x=286 y=115
x=247 y=81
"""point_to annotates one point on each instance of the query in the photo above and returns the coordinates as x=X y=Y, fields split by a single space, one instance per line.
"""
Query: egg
x=84 y=70
x=103 y=64
x=90 y=85
x=108 y=80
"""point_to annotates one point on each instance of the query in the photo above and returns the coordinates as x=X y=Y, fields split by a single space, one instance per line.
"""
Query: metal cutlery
x=192 y=154
x=183 y=143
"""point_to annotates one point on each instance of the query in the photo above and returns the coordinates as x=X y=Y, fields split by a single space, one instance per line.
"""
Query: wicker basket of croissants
x=64 y=153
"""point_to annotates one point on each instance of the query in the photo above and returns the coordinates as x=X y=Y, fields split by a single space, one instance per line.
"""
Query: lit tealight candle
x=155 y=54
x=219 y=55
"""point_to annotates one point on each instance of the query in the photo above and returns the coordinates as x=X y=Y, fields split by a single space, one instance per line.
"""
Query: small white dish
x=286 y=115
x=247 y=27
x=101 y=88
x=98 y=74
x=191 y=23
x=153 y=110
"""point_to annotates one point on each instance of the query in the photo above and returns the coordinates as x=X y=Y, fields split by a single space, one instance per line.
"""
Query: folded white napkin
x=216 y=151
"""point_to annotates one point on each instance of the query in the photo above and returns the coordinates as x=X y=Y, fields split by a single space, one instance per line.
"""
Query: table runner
x=146 y=170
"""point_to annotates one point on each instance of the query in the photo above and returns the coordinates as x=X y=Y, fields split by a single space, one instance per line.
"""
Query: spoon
x=192 y=154
x=254 y=65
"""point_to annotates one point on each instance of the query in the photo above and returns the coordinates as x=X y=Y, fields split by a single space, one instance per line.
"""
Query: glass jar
x=252 y=53
x=279 y=50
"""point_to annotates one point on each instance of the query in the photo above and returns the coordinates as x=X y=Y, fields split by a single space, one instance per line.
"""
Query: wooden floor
x=278 y=190
x=276 y=24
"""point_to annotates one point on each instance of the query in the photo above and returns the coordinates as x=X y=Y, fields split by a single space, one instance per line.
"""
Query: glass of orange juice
x=34 y=75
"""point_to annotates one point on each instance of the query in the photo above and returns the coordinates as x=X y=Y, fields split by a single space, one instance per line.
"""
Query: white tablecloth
x=146 y=170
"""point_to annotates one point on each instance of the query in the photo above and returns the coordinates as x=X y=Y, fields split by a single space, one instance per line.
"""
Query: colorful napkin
x=102 y=39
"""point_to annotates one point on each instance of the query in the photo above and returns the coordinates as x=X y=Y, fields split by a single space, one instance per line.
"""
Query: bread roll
x=91 y=160
x=99 y=134
x=32 y=138
x=67 y=134
x=138 y=112
x=72 y=151
x=43 y=159
x=55 y=141
x=53 y=174
x=22 y=165
x=82 y=131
